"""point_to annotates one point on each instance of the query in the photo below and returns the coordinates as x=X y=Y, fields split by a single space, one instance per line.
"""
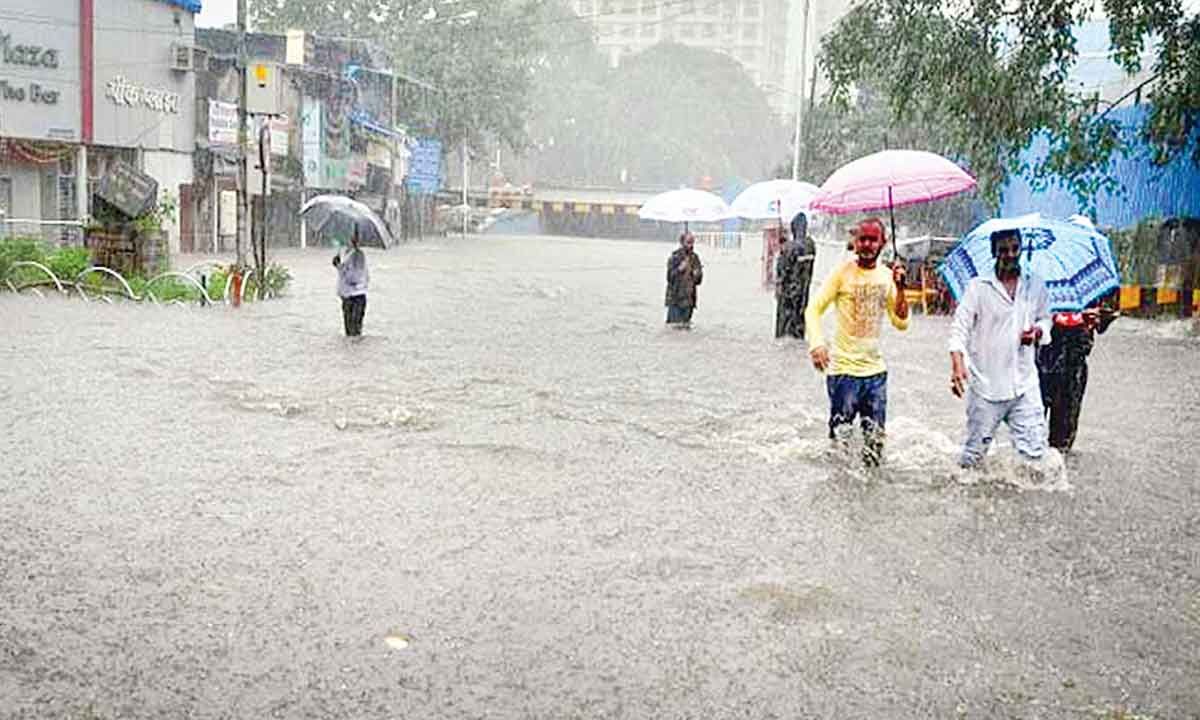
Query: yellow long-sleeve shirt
x=861 y=296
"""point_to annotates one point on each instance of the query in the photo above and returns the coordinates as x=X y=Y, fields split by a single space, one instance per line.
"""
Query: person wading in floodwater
x=353 y=279
x=857 y=377
x=793 y=275
x=996 y=326
x=1062 y=367
x=684 y=274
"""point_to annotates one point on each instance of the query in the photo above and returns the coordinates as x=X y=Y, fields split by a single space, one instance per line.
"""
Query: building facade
x=753 y=32
x=337 y=132
x=84 y=83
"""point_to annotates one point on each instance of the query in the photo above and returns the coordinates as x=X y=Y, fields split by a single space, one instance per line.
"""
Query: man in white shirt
x=998 y=322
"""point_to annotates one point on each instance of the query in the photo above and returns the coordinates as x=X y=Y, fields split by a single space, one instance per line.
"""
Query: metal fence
x=55 y=233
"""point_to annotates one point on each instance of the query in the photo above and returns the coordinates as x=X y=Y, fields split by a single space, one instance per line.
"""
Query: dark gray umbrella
x=343 y=215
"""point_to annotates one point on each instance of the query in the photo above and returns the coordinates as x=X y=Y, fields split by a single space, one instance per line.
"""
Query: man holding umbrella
x=857 y=377
x=998 y=322
x=353 y=278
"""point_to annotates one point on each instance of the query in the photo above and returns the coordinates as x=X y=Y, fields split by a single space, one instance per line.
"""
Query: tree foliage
x=482 y=55
x=667 y=116
x=994 y=75
x=835 y=134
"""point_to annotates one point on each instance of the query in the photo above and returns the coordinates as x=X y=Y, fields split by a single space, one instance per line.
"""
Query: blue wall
x=1144 y=190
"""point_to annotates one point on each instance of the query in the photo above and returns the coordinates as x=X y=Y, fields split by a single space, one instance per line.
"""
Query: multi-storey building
x=753 y=32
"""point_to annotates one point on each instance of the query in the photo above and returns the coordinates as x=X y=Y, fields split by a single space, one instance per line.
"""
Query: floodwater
x=521 y=496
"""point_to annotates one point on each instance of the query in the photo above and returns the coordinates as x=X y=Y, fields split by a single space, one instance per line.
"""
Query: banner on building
x=425 y=166
x=310 y=139
x=280 y=130
x=379 y=155
x=222 y=123
x=356 y=171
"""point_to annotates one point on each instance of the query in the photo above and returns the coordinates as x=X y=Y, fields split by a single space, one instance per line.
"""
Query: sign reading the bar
x=127 y=189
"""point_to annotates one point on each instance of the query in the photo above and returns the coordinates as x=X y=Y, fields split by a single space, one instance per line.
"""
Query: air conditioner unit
x=183 y=57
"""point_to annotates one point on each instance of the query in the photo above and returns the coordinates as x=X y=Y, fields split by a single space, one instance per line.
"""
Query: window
x=709 y=30
x=750 y=8
x=649 y=9
x=687 y=31
x=629 y=7
x=750 y=33
x=628 y=31
x=648 y=31
x=585 y=7
x=749 y=56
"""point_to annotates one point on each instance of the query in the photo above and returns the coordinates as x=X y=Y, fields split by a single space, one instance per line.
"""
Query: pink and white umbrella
x=890 y=179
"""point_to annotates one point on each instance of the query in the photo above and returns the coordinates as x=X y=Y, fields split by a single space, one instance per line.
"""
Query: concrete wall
x=26 y=183
x=171 y=169
x=139 y=101
x=1144 y=189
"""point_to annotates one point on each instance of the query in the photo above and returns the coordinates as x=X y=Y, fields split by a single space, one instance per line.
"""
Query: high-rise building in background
x=753 y=32
x=822 y=16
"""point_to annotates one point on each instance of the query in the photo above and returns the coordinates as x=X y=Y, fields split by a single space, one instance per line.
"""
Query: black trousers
x=789 y=317
x=353 y=309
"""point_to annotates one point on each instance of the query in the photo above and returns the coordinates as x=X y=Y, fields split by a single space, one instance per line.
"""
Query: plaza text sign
x=22 y=57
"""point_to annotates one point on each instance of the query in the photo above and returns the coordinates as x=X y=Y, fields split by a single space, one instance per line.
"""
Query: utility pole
x=799 y=92
x=243 y=218
x=466 y=171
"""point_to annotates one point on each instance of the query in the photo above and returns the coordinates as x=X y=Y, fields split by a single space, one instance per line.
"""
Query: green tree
x=669 y=115
x=481 y=54
x=993 y=75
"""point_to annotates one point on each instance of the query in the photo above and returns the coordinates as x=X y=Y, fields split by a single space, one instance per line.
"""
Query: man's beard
x=1009 y=267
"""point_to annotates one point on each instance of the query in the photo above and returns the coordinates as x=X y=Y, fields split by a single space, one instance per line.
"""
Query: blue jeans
x=1024 y=416
x=862 y=397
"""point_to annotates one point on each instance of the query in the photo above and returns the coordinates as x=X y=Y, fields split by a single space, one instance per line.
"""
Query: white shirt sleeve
x=1041 y=312
x=964 y=318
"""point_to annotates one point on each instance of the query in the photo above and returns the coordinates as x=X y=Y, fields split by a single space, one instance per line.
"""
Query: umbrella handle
x=892 y=215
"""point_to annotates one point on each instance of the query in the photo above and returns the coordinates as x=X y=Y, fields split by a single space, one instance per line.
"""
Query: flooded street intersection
x=521 y=496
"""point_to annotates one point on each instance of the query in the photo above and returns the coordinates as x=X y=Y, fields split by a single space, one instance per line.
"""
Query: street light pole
x=800 y=93
x=243 y=218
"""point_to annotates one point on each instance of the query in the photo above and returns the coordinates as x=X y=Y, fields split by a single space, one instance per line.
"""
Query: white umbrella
x=685 y=205
x=774 y=200
x=342 y=214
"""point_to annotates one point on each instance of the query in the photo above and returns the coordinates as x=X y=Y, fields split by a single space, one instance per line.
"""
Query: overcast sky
x=215 y=13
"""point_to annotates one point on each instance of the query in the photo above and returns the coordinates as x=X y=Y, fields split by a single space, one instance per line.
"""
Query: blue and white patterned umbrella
x=1074 y=260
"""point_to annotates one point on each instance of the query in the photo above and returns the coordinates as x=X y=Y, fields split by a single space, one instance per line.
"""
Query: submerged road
x=520 y=496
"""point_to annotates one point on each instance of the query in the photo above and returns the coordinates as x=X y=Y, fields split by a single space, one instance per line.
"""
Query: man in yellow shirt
x=862 y=291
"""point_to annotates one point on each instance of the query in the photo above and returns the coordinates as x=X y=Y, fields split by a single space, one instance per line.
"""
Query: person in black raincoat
x=684 y=275
x=793 y=276
x=1063 y=370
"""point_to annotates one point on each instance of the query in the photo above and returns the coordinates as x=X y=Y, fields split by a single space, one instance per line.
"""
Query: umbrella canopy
x=685 y=206
x=1076 y=262
x=343 y=215
x=774 y=200
x=890 y=179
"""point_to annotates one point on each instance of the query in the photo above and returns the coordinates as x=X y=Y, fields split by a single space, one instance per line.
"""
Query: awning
x=192 y=6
